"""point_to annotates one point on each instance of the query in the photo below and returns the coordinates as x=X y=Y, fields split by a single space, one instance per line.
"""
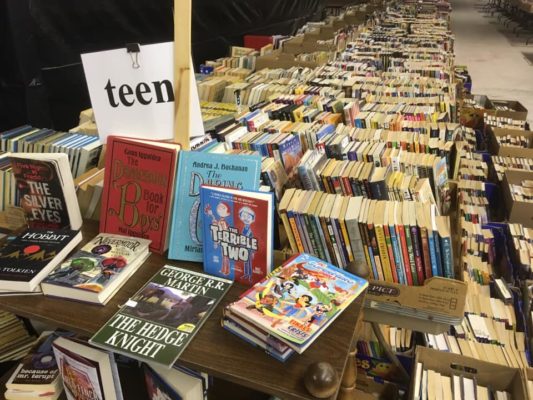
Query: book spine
x=397 y=255
x=346 y=237
x=417 y=250
x=383 y=254
x=425 y=252
x=408 y=258
x=322 y=239
x=336 y=184
x=356 y=244
x=388 y=242
x=334 y=243
x=327 y=240
x=379 y=190
x=438 y=253
x=447 y=257
x=344 y=244
x=288 y=231
x=363 y=229
x=310 y=234
x=433 y=254
x=346 y=186
x=294 y=228
x=317 y=238
x=300 y=224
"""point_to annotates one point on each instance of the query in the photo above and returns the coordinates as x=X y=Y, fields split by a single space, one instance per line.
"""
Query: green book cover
x=159 y=321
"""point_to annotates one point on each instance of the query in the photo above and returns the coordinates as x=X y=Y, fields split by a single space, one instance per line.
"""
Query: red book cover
x=405 y=254
x=138 y=189
x=425 y=252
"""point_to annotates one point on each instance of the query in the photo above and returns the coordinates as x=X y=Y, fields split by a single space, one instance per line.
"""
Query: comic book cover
x=238 y=234
x=299 y=299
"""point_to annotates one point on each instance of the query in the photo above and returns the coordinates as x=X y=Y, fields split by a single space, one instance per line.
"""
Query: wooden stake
x=182 y=73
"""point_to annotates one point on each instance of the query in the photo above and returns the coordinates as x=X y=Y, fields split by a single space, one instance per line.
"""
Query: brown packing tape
x=487 y=374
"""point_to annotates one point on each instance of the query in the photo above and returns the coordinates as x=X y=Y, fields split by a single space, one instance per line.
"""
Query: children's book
x=298 y=300
x=238 y=233
x=96 y=271
x=160 y=320
x=194 y=170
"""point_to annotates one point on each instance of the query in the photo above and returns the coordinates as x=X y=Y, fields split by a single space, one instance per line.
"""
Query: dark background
x=41 y=76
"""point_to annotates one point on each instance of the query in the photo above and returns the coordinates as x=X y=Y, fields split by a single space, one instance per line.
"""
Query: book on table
x=98 y=270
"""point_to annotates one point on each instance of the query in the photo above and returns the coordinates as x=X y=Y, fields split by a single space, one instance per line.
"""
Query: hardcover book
x=46 y=190
x=138 y=189
x=238 y=233
x=298 y=300
x=174 y=303
x=195 y=169
x=88 y=373
x=96 y=271
x=26 y=260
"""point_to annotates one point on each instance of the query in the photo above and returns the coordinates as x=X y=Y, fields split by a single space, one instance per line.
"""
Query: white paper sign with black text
x=137 y=102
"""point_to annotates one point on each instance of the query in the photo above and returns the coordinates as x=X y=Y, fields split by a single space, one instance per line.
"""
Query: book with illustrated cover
x=38 y=371
x=195 y=169
x=298 y=300
x=138 y=189
x=46 y=190
x=88 y=373
x=238 y=233
x=27 y=259
x=175 y=302
x=96 y=271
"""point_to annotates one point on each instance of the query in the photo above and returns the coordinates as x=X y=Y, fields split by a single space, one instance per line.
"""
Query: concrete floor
x=492 y=54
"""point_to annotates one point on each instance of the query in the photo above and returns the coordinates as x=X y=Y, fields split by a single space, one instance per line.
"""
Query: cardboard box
x=511 y=151
x=518 y=211
x=422 y=308
x=298 y=45
x=487 y=374
x=519 y=112
x=472 y=117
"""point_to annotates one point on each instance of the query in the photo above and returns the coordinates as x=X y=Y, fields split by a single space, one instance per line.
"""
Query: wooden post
x=182 y=72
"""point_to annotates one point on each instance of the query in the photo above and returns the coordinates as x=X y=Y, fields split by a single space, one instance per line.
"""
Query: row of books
x=403 y=242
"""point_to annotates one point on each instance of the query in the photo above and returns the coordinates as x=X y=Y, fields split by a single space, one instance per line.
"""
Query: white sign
x=137 y=102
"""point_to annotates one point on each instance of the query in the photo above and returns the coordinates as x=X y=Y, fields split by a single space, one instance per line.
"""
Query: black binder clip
x=133 y=50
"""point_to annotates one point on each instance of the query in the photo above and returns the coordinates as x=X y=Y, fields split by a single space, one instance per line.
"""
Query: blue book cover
x=238 y=233
x=290 y=151
x=195 y=169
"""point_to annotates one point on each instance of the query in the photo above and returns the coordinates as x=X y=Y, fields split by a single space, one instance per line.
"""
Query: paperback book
x=174 y=303
x=238 y=233
x=171 y=384
x=96 y=271
x=46 y=190
x=138 y=189
x=27 y=259
x=194 y=170
x=298 y=300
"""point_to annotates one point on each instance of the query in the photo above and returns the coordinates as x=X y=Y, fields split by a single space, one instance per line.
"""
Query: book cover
x=98 y=263
x=160 y=320
x=25 y=260
x=44 y=186
x=238 y=233
x=81 y=377
x=38 y=370
x=194 y=170
x=138 y=189
x=299 y=299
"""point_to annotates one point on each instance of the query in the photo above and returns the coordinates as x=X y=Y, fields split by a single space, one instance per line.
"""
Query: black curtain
x=41 y=76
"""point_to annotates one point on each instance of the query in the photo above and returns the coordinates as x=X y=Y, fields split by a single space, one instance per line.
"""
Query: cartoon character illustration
x=110 y=266
x=297 y=309
x=247 y=216
x=265 y=301
x=319 y=314
x=223 y=211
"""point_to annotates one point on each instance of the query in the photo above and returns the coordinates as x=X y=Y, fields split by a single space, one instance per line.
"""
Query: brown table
x=213 y=349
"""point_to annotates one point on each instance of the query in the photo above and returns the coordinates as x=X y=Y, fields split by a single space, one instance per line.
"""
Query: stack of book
x=293 y=305
x=16 y=340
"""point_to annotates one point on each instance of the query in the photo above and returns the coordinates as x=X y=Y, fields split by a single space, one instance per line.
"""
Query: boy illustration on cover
x=247 y=216
x=223 y=212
